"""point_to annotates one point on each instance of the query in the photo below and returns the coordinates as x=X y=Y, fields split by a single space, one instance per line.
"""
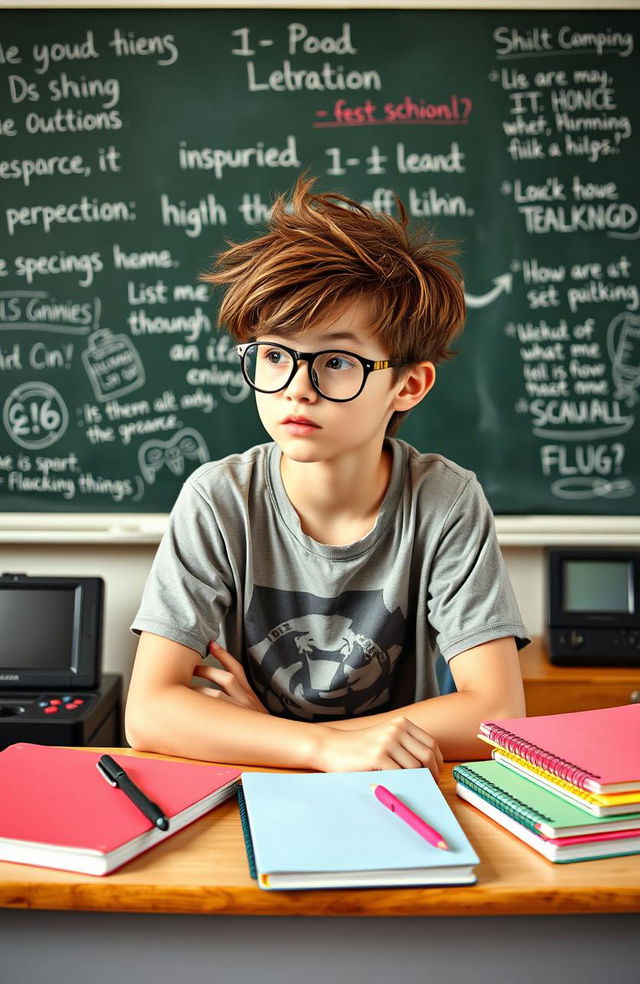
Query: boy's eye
x=338 y=362
x=275 y=357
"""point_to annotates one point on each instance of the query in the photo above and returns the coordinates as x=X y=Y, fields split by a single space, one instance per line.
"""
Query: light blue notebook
x=328 y=830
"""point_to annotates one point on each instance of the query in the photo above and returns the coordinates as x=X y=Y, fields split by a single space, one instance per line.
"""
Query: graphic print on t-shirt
x=311 y=657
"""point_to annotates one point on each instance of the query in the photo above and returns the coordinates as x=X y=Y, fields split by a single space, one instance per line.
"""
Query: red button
x=70 y=707
x=78 y=701
x=55 y=702
x=51 y=710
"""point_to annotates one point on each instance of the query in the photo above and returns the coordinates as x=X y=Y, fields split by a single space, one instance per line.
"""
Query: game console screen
x=37 y=628
x=597 y=586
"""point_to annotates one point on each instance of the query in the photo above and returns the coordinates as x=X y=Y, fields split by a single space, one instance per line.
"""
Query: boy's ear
x=415 y=385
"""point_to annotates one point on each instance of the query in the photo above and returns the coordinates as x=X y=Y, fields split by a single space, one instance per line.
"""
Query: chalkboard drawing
x=186 y=445
x=503 y=284
x=623 y=343
x=113 y=365
x=35 y=415
x=587 y=487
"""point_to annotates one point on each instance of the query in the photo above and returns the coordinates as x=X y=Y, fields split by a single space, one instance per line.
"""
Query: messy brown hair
x=324 y=251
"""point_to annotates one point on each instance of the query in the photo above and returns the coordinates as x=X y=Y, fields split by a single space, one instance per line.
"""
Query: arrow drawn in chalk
x=503 y=284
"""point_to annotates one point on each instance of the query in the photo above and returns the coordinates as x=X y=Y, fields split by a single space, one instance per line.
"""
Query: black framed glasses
x=335 y=374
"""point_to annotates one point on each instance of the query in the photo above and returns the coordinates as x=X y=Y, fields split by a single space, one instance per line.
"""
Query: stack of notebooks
x=568 y=785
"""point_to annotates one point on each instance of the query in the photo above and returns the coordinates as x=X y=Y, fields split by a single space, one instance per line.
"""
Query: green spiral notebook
x=543 y=820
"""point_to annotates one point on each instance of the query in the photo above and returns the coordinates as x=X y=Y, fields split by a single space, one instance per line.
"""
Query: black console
x=593 y=611
x=56 y=717
x=52 y=691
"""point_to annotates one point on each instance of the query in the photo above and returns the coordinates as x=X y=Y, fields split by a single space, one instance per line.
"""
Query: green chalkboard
x=133 y=144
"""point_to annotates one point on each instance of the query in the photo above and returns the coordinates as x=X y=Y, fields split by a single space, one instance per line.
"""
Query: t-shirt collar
x=291 y=520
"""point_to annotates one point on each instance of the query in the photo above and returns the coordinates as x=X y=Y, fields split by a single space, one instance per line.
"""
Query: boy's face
x=306 y=426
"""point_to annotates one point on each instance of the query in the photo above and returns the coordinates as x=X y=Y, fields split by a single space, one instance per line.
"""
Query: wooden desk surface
x=203 y=869
x=553 y=689
x=535 y=666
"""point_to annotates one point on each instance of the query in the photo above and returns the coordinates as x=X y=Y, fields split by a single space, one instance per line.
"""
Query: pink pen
x=415 y=822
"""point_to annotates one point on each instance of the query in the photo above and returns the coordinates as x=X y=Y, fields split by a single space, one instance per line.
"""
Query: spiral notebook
x=600 y=805
x=328 y=830
x=595 y=750
x=553 y=827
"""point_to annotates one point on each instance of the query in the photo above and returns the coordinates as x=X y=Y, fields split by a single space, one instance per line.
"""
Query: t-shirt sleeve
x=471 y=600
x=188 y=591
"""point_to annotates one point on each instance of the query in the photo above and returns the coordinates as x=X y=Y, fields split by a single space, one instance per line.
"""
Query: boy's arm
x=489 y=686
x=165 y=713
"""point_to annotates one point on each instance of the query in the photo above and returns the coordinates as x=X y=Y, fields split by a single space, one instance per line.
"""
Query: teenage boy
x=332 y=564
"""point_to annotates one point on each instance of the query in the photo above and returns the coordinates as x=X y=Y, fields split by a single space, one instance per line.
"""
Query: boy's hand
x=394 y=744
x=231 y=679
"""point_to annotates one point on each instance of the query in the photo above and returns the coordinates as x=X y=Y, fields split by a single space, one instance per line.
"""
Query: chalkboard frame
x=147 y=528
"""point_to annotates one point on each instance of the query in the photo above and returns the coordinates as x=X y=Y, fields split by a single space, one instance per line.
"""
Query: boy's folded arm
x=489 y=686
x=166 y=714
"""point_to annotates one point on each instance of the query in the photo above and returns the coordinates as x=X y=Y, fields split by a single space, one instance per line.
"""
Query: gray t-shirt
x=326 y=631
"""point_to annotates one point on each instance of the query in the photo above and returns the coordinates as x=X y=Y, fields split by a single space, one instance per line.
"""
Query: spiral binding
x=246 y=832
x=577 y=791
x=539 y=756
x=505 y=802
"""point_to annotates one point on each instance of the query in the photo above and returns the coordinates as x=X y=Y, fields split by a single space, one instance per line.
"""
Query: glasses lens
x=338 y=375
x=268 y=367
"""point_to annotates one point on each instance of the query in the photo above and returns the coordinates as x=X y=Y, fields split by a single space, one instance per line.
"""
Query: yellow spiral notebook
x=600 y=805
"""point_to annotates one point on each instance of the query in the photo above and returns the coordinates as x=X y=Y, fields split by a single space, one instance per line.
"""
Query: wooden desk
x=554 y=689
x=158 y=917
x=203 y=869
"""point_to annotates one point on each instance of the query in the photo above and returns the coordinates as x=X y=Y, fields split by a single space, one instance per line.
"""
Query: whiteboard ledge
x=114 y=528
x=570 y=531
x=137 y=528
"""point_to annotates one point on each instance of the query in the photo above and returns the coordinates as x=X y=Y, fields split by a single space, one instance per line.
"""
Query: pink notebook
x=58 y=812
x=608 y=835
x=595 y=750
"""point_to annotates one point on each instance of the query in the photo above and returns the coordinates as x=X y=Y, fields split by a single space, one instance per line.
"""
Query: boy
x=333 y=563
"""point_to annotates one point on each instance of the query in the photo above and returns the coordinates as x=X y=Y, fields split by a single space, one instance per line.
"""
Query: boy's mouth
x=299 y=424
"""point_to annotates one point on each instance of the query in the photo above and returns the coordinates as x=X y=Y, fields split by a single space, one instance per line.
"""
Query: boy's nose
x=300 y=386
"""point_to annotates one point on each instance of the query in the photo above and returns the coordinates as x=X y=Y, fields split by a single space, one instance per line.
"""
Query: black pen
x=116 y=776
